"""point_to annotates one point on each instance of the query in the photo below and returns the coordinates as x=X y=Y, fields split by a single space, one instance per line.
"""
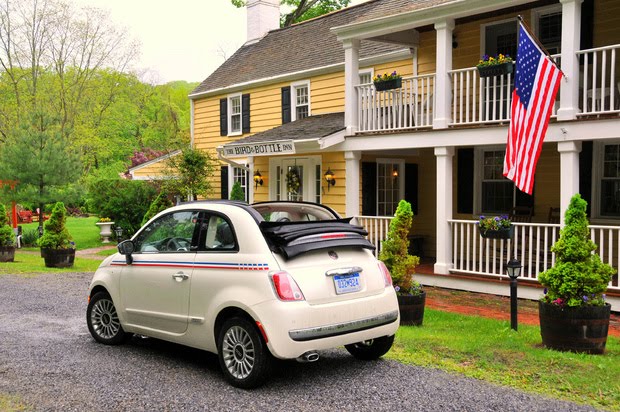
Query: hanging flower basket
x=389 y=84
x=495 y=70
x=498 y=227
x=503 y=233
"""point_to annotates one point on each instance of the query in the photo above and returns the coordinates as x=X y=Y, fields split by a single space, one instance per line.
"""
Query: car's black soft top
x=291 y=239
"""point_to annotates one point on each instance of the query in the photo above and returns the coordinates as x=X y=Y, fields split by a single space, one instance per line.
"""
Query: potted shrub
x=7 y=238
x=56 y=246
x=496 y=227
x=489 y=66
x=388 y=81
x=394 y=254
x=573 y=313
x=105 y=229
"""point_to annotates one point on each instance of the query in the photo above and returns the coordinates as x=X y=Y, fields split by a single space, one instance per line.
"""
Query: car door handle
x=180 y=276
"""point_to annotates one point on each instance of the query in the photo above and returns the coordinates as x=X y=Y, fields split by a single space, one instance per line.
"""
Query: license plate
x=347 y=283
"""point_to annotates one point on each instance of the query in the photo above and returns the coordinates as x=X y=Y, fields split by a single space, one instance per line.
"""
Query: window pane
x=301 y=112
x=235 y=123
x=610 y=198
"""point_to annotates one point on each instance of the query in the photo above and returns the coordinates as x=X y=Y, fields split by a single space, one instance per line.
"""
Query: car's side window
x=219 y=234
x=170 y=233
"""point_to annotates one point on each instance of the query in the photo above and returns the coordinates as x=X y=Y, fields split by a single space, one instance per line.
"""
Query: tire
x=371 y=349
x=244 y=358
x=103 y=322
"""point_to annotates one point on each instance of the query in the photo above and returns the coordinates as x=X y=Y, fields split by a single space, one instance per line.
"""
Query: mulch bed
x=492 y=306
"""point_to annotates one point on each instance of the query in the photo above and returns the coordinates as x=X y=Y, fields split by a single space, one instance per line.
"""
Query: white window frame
x=367 y=72
x=230 y=114
x=294 y=87
x=542 y=11
x=478 y=176
x=483 y=32
x=401 y=179
x=597 y=179
x=231 y=180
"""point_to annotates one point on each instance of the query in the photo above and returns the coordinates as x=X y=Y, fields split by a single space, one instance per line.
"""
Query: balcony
x=481 y=101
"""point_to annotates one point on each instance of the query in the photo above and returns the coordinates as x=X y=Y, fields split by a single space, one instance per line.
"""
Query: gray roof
x=312 y=127
x=303 y=46
x=387 y=8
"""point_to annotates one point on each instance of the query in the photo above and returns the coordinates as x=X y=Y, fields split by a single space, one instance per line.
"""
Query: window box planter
x=495 y=69
x=389 y=84
x=506 y=233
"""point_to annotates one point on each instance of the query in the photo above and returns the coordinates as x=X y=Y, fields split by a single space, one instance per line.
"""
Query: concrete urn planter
x=105 y=231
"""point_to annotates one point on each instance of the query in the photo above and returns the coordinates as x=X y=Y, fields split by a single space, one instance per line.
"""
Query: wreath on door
x=292 y=181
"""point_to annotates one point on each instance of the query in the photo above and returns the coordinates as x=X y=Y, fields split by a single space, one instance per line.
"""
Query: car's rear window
x=293 y=212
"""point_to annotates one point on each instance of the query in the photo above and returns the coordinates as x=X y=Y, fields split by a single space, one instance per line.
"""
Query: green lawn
x=84 y=231
x=489 y=350
x=30 y=262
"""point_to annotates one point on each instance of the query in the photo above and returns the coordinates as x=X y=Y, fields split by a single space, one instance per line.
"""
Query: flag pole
x=540 y=45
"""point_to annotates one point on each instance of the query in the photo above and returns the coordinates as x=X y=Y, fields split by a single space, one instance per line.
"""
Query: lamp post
x=119 y=233
x=513 y=270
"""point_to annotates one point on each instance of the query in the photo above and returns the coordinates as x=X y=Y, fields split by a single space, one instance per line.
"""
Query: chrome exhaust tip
x=308 y=357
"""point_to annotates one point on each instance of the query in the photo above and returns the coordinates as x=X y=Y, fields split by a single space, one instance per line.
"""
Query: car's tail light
x=387 y=278
x=285 y=286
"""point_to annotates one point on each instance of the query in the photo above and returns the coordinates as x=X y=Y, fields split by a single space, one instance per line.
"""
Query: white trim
x=597 y=179
x=191 y=123
x=370 y=70
x=401 y=179
x=309 y=177
x=479 y=177
x=294 y=87
x=229 y=114
x=332 y=68
x=483 y=32
x=537 y=13
x=150 y=162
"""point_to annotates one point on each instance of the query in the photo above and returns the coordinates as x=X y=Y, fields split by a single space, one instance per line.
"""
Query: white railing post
x=444 y=157
x=443 y=63
x=351 y=80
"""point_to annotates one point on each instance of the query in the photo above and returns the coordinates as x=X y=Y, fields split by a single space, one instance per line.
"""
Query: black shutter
x=585 y=173
x=224 y=182
x=369 y=189
x=286 y=104
x=411 y=186
x=465 y=181
x=245 y=113
x=223 y=117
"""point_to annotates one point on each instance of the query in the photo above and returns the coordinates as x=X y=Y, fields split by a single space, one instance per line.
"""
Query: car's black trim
x=321 y=332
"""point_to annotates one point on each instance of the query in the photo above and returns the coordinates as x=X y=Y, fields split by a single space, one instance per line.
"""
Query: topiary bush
x=55 y=234
x=7 y=236
x=578 y=277
x=395 y=251
x=236 y=193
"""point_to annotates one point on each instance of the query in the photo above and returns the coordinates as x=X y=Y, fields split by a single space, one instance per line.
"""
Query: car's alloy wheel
x=102 y=319
x=244 y=358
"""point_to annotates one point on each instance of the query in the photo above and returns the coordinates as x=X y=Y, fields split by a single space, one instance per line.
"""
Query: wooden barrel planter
x=7 y=253
x=58 y=258
x=577 y=329
x=411 y=309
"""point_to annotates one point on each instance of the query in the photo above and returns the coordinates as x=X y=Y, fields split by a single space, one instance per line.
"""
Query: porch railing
x=410 y=107
x=377 y=228
x=599 y=86
x=530 y=245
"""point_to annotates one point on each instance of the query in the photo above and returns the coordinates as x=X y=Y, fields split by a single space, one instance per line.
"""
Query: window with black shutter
x=223 y=117
x=245 y=113
x=286 y=104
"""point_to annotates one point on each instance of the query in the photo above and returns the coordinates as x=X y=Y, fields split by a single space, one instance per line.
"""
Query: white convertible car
x=248 y=282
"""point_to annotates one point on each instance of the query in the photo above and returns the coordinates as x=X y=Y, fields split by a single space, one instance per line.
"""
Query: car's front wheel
x=244 y=357
x=371 y=349
x=103 y=322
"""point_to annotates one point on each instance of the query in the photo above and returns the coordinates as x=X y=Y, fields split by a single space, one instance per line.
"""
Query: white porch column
x=352 y=189
x=351 y=79
x=443 y=85
x=569 y=173
x=444 y=157
x=569 y=86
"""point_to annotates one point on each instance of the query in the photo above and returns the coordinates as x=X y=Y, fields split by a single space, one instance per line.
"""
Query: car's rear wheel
x=371 y=349
x=244 y=357
x=103 y=322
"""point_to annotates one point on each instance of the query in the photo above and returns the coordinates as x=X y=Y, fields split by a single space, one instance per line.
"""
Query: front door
x=297 y=180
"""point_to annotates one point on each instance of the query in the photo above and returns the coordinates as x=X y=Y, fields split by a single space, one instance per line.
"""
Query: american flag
x=536 y=84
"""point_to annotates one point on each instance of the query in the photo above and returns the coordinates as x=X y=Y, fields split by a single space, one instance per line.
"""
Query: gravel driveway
x=49 y=360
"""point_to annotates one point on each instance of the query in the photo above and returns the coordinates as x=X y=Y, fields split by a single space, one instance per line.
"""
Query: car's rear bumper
x=294 y=328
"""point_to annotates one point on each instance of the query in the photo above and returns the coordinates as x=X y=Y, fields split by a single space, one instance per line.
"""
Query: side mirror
x=126 y=247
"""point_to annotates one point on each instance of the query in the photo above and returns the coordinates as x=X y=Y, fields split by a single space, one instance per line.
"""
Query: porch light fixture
x=119 y=233
x=329 y=178
x=258 y=179
x=513 y=270
x=394 y=173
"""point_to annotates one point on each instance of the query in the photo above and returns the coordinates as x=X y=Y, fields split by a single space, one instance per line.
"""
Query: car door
x=155 y=288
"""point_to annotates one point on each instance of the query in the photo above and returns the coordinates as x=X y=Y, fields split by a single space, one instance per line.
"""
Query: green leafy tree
x=236 y=193
x=395 y=251
x=39 y=158
x=56 y=235
x=578 y=277
x=161 y=203
x=301 y=10
x=7 y=236
x=187 y=174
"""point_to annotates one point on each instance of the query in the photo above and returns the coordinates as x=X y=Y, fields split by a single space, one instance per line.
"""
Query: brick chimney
x=263 y=15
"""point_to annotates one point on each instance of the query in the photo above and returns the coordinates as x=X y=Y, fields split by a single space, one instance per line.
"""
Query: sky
x=185 y=40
